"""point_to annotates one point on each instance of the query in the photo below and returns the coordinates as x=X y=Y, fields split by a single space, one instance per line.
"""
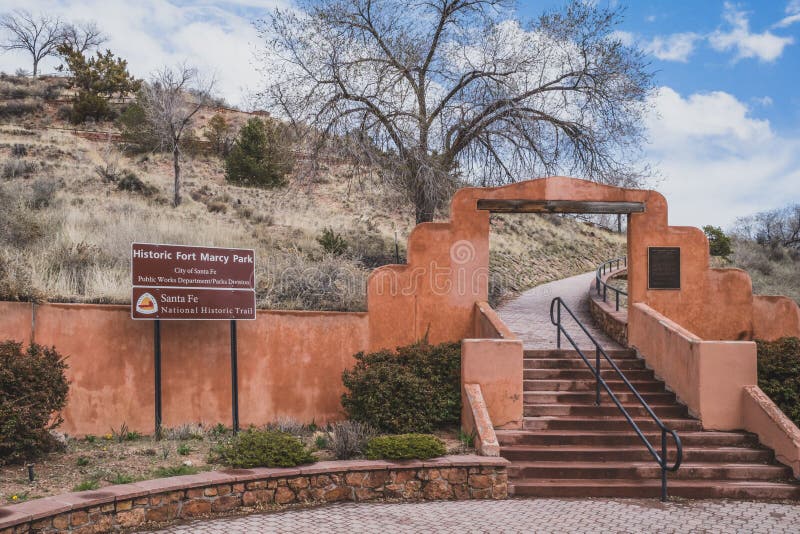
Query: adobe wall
x=290 y=364
x=448 y=264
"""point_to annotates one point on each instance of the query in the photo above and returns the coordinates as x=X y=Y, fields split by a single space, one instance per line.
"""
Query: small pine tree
x=719 y=244
x=137 y=132
x=97 y=79
x=259 y=157
x=218 y=134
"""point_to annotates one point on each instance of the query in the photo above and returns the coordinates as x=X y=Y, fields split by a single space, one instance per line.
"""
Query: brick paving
x=528 y=315
x=516 y=515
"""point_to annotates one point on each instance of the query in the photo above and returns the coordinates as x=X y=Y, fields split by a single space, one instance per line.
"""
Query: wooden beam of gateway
x=557 y=206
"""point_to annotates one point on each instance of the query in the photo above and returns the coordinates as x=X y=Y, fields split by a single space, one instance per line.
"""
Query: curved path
x=514 y=515
x=528 y=315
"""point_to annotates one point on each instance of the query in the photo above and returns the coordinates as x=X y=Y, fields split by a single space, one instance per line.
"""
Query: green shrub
x=175 y=470
x=415 y=389
x=33 y=387
x=405 y=447
x=264 y=448
x=129 y=181
x=260 y=156
x=86 y=485
x=137 y=131
x=332 y=243
x=121 y=478
x=719 y=244
x=779 y=374
x=87 y=105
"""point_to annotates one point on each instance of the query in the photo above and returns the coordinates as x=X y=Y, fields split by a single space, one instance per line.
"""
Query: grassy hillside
x=775 y=270
x=71 y=204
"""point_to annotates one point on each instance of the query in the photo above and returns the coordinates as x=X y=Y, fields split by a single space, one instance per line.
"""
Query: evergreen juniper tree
x=258 y=157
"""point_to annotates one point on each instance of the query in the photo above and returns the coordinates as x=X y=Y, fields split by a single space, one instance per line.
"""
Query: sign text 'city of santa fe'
x=182 y=282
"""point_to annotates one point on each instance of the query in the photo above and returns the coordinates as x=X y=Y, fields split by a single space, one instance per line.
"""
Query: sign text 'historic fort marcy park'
x=182 y=282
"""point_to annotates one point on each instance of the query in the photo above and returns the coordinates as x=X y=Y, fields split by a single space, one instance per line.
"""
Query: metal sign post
x=157 y=352
x=177 y=282
x=234 y=380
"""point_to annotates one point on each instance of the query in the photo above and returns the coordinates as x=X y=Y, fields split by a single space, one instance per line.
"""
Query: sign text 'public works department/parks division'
x=184 y=282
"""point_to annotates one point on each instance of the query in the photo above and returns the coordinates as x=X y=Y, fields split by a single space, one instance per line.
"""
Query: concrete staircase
x=571 y=448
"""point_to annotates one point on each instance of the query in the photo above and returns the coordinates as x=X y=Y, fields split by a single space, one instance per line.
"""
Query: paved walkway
x=516 y=515
x=528 y=315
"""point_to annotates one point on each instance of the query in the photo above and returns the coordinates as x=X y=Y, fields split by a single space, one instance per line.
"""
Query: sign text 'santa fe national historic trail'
x=182 y=282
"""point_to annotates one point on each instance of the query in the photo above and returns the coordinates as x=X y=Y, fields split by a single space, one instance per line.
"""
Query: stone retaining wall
x=612 y=322
x=130 y=506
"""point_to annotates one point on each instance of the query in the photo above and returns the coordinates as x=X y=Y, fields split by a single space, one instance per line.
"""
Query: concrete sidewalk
x=516 y=515
x=528 y=315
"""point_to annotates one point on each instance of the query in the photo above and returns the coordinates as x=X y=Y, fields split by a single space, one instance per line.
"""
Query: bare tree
x=442 y=92
x=83 y=36
x=38 y=35
x=171 y=100
x=779 y=227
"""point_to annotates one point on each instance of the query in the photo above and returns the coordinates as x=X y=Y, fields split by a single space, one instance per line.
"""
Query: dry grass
x=75 y=245
x=774 y=270
x=528 y=250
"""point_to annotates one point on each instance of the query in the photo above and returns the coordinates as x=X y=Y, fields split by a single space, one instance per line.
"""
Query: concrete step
x=618 y=438
x=615 y=354
x=652 y=386
x=647 y=469
x=588 y=397
x=576 y=363
x=605 y=423
x=651 y=488
x=608 y=410
x=587 y=374
x=519 y=454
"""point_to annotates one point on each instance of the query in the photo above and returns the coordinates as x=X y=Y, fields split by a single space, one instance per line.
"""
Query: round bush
x=415 y=389
x=264 y=448
x=33 y=387
x=405 y=447
x=779 y=374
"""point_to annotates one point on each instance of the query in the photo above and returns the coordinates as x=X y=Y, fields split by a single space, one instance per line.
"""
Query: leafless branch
x=171 y=99
x=38 y=35
x=439 y=93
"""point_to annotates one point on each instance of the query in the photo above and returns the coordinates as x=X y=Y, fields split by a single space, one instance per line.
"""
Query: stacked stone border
x=612 y=322
x=130 y=506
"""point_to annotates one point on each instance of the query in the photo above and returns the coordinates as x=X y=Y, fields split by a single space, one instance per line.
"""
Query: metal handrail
x=661 y=459
x=601 y=270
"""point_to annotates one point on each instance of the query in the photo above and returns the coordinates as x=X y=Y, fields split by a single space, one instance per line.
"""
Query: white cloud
x=792 y=15
x=718 y=162
x=626 y=38
x=764 y=101
x=218 y=38
x=765 y=46
x=675 y=47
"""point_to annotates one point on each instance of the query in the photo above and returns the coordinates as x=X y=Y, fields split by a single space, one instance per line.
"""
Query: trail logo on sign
x=147 y=304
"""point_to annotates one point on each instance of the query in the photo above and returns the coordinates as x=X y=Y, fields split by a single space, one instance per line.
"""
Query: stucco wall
x=775 y=317
x=707 y=376
x=290 y=364
x=448 y=265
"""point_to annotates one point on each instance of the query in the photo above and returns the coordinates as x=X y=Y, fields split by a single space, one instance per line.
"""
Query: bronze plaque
x=663 y=268
x=192 y=303
x=182 y=266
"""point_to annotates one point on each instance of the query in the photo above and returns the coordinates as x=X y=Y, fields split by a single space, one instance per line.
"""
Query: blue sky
x=725 y=127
